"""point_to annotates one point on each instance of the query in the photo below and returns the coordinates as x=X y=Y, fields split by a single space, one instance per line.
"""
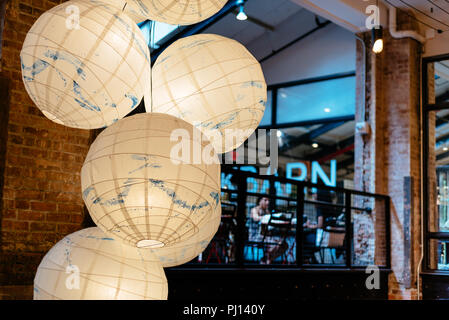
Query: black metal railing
x=353 y=231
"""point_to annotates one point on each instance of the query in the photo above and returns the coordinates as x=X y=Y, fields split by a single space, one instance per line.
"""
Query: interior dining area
x=339 y=192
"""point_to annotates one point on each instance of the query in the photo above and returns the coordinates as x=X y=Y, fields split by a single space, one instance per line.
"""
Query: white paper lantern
x=89 y=265
x=85 y=64
x=181 y=12
x=186 y=251
x=214 y=83
x=137 y=188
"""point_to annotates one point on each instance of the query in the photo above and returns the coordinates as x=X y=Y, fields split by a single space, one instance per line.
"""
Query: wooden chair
x=332 y=239
x=274 y=234
x=221 y=246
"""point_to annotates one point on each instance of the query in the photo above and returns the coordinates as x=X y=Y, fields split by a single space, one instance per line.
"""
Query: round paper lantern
x=181 y=12
x=142 y=180
x=89 y=265
x=214 y=83
x=85 y=64
x=184 y=252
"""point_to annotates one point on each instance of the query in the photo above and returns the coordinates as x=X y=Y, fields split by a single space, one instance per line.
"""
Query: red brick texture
x=42 y=193
x=392 y=151
x=431 y=170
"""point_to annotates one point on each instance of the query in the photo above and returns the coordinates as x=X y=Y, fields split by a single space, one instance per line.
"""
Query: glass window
x=154 y=32
x=440 y=256
x=441 y=81
x=318 y=153
x=439 y=172
x=266 y=120
x=318 y=100
x=436 y=180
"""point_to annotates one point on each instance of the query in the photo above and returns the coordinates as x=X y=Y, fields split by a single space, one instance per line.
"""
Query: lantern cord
x=151 y=37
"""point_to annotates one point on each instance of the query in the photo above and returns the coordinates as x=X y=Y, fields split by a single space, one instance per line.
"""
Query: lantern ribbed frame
x=87 y=77
x=180 y=12
x=214 y=83
x=134 y=189
x=106 y=268
x=179 y=254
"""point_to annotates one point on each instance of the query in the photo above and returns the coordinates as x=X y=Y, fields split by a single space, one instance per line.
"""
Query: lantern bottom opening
x=148 y=243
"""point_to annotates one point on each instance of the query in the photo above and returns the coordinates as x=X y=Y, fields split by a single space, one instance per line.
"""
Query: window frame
x=427 y=107
x=273 y=89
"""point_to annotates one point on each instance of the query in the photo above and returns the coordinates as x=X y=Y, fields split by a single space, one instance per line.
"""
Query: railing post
x=349 y=234
x=299 y=226
x=241 y=219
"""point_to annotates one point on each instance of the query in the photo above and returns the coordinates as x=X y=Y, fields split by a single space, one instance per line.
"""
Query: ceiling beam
x=442 y=97
x=349 y=14
x=311 y=135
x=301 y=37
x=332 y=150
x=256 y=21
x=336 y=153
x=442 y=155
x=442 y=139
x=441 y=121
x=346 y=163
x=308 y=122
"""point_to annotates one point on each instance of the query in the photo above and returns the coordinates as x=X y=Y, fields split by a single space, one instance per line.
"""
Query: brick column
x=431 y=168
x=387 y=158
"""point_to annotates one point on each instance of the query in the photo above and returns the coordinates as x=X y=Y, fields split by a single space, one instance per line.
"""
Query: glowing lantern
x=184 y=252
x=85 y=64
x=181 y=12
x=214 y=83
x=89 y=265
x=144 y=186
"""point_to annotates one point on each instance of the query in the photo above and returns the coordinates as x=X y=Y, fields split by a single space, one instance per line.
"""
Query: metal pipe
x=403 y=33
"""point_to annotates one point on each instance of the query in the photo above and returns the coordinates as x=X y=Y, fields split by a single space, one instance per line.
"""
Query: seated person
x=256 y=215
x=310 y=228
x=261 y=209
x=273 y=251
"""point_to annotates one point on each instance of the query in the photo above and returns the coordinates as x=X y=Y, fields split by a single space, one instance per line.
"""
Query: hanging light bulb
x=241 y=15
x=378 y=42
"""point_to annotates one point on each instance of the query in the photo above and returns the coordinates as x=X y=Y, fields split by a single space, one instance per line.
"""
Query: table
x=266 y=218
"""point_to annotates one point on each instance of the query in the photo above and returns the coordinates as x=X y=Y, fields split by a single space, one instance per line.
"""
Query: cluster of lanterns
x=151 y=182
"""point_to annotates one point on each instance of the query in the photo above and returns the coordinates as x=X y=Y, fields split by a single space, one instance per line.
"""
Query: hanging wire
x=152 y=32
x=151 y=39
x=418 y=20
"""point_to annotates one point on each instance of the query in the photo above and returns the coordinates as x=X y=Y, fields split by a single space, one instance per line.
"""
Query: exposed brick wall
x=16 y=292
x=431 y=168
x=369 y=151
x=42 y=194
x=392 y=151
